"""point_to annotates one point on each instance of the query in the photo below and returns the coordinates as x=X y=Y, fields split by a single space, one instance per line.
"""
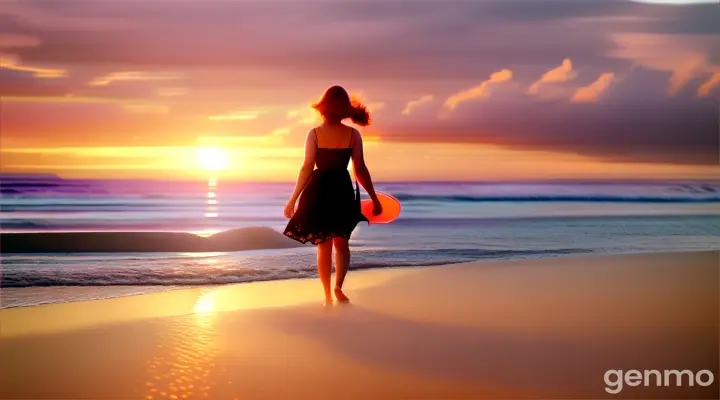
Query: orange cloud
x=683 y=59
x=371 y=105
x=563 y=73
x=414 y=103
x=478 y=91
x=133 y=76
x=146 y=108
x=131 y=106
x=375 y=106
x=171 y=92
x=104 y=151
x=304 y=116
x=12 y=62
x=65 y=98
x=594 y=90
x=10 y=40
x=707 y=87
x=685 y=72
x=281 y=131
x=236 y=116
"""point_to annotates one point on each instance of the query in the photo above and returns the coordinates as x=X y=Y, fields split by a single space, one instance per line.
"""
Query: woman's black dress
x=329 y=206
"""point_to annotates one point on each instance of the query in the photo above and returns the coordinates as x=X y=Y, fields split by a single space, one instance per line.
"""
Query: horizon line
x=379 y=181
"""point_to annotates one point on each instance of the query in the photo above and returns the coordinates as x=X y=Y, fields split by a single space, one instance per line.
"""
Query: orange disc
x=390 y=209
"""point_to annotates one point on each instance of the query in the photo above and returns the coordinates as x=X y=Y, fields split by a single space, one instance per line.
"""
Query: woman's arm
x=307 y=166
x=361 y=170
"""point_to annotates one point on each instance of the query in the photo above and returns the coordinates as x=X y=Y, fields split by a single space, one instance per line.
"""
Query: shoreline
x=483 y=263
x=153 y=289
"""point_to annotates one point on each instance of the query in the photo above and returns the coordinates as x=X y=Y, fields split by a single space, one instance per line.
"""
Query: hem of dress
x=316 y=240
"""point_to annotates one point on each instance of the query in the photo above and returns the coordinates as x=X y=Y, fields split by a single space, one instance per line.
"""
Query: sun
x=212 y=158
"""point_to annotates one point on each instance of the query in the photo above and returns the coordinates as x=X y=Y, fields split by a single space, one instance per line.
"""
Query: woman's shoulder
x=322 y=127
x=355 y=131
x=355 y=135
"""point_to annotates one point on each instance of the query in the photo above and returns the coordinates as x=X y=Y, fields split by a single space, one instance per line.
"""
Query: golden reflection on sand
x=205 y=305
x=184 y=366
x=63 y=317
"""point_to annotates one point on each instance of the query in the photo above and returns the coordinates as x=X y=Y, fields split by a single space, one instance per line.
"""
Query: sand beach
x=535 y=328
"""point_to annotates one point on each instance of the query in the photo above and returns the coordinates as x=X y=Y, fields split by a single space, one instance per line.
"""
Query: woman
x=329 y=207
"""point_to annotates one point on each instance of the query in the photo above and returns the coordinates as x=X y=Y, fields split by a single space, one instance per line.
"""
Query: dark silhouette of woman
x=329 y=207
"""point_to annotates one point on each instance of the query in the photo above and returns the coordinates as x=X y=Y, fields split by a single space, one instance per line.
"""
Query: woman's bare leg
x=342 y=264
x=324 y=262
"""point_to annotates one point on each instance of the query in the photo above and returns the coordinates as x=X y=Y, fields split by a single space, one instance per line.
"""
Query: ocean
x=441 y=223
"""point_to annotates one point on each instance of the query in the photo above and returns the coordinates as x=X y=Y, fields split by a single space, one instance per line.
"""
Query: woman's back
x=334 y=145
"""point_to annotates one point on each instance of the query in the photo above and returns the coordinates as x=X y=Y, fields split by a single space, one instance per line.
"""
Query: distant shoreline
x=257 y=238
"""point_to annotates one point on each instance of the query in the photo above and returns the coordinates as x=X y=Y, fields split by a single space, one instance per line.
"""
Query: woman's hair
x=336 y=105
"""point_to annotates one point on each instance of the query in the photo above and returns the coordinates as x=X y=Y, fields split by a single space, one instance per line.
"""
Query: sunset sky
x=458 y=90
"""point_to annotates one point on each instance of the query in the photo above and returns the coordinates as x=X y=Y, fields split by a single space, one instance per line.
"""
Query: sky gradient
x=459 y=90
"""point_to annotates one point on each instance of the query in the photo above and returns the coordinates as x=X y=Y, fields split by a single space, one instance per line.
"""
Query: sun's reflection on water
x=212 y=203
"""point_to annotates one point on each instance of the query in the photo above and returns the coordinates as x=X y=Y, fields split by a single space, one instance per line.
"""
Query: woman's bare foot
x=328 y=301
x=340 y=296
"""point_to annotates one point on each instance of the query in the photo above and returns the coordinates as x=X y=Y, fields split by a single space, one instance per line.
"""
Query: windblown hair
x=336 y=105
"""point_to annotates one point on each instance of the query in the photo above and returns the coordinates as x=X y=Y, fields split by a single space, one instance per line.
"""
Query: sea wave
x=265 y=268
x=406 y=197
